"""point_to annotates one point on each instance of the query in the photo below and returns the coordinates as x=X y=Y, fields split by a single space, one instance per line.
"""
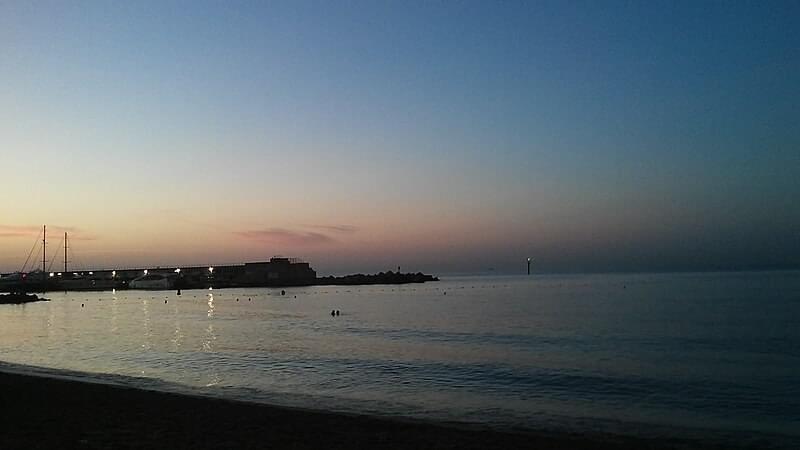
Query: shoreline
x=47 y=408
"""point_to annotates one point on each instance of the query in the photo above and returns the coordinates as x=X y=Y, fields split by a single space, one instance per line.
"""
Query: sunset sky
x=439 y=136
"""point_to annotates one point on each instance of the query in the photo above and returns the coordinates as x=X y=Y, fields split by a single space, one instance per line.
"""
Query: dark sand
x=38 y=412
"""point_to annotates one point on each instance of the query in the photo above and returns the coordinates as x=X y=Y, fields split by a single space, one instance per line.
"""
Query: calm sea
x=708 y=353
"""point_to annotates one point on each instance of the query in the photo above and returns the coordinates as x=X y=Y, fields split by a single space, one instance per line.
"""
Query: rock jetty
x=379 y=278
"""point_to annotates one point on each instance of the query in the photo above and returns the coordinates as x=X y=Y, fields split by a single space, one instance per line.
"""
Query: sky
x=444 y=137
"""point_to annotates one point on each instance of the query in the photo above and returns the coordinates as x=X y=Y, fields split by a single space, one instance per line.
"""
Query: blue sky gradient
x=445 y=136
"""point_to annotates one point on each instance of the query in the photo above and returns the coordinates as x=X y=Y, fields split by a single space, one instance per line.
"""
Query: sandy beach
x=40 y=412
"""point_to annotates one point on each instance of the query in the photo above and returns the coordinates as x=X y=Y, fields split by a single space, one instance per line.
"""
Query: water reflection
x=50 y=317
x=208 y=346
x=177 y=336
x=114 y=313
x=148 y=333
x=210 y=338
x=210 y=305
x=215 y=379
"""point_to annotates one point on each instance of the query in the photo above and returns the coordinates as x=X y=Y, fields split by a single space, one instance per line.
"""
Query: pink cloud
x=280 y=236
x=335 y=228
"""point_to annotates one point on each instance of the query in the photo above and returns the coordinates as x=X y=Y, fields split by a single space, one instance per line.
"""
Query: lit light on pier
x=52 y=274
x=210 y=270
x=145 y=271
x=178 y=270
x=113 y=273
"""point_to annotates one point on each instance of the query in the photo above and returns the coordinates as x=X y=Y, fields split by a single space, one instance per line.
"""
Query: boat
x=155 y=281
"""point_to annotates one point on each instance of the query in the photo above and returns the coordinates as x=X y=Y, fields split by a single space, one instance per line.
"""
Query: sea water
x=654 y=353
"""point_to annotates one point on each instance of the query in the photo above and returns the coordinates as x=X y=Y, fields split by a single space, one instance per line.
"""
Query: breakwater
x=379 y=278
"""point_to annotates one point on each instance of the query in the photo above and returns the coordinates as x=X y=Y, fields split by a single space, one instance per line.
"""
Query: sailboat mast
x=65 y=253
x=44 y=257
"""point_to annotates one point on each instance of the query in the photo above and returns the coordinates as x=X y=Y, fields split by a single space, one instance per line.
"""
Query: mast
x=44 y=257
x=65 y=253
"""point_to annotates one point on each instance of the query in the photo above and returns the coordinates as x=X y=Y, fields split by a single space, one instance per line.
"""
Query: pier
x=277 y=272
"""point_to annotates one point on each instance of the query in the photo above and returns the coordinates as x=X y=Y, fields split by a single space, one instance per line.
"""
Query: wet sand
x=39 y=412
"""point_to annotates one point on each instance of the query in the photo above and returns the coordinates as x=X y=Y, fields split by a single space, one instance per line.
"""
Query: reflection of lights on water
x=114 y=313
x=210 y=288
x=208 y=342
x=148 y=334
x=208 y=346
x=177 y=336
x=210 y=305
x=50 y=319
x=113 y=290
